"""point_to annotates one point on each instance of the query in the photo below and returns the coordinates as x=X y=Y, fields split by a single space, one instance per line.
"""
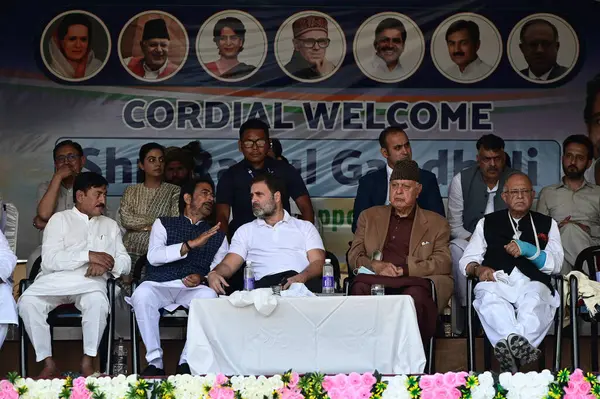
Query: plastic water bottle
x=120 y=358
x=328 y=287
x=248 y=277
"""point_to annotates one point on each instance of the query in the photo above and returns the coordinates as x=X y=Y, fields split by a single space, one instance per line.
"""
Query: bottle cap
x=327 y=260
x=248 y=263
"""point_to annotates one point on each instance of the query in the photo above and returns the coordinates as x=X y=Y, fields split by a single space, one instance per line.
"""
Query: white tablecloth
x=327 y=334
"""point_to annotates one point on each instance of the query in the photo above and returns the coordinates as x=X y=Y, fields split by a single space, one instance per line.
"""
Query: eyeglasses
x=250 y=143
x=67 y=158
x=155 y=159
x=517 y=193
x=310 y=43
x=207 y=193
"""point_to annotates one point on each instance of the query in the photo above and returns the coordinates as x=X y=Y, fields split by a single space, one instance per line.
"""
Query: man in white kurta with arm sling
x=181 y=252
x=513 y=252
x=81 y=249
x=8 y=310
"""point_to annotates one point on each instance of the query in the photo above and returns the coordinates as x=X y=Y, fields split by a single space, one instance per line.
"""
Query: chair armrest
x=111 y=289
x=433 y=291
x=23 y=285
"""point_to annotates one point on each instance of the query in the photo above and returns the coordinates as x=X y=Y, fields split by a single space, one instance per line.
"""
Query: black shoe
x=505 y=357
x=183 y=368
x=521 y=349
x=152 y=371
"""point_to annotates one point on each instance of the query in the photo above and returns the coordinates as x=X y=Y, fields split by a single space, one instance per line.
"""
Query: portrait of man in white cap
x=155 y=63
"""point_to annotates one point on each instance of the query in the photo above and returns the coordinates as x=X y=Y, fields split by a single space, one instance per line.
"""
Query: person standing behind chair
x=80 y=250
x=182 y=251
x=142 y=203
x=574 y=203
x=8 y=309
x=373 y=188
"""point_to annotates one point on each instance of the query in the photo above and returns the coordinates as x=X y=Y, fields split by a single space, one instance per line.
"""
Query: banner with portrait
x=327 y=79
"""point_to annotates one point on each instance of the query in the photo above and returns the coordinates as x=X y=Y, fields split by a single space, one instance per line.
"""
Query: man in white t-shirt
x=282 y=249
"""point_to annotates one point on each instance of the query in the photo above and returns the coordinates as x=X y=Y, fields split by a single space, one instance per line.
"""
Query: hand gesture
x=485 y=273
x=203 y=238
x=95 y=270
x=103 y=259
x=217 y=282
x=64 y=171
x=513 y=249
x=191 y=281
x=564 y=221
x=298 y=278
x=324 y=67
x=385 y=268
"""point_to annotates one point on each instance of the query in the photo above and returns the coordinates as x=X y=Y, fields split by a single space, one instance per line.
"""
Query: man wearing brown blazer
x=414 y=247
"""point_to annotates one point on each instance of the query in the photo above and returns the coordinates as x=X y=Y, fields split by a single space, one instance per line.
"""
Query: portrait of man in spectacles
x=311 y=40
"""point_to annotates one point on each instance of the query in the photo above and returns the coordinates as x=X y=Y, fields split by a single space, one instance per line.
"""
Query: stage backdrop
x=377 y=63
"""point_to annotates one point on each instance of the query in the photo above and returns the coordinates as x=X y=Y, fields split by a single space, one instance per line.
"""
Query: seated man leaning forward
x=81 y=249
x=402 y=243
x=182 y=250
x=282 y=249
x=513 y=252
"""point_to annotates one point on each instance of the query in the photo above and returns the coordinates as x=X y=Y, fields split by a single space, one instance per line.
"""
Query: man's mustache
x=387 y=48
x=458 y=54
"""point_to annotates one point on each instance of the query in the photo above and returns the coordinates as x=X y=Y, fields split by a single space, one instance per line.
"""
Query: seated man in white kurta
x=181 y=252
x=8 y=309
x=283 y=250
x=513 y=252
x=81 y=249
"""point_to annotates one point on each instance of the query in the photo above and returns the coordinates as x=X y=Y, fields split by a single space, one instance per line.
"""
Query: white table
x=326 y=334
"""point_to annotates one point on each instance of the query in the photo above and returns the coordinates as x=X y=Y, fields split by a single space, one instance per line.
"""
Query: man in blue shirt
x=373 y=188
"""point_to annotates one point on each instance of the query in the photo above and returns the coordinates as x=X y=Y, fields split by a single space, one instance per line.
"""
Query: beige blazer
x=429 y=254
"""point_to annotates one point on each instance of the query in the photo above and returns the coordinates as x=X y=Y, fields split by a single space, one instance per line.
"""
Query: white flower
x=532 y=385
x=485 y=389
x=396 y=388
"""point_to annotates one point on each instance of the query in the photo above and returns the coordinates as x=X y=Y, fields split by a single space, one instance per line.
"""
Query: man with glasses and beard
x=310 y=46
x=462 y=38
x=513 y=252
x=389 y=43
x=181 y=252
x=473 y=193
x=283 y=250
x=574 y=203
x=81 y=250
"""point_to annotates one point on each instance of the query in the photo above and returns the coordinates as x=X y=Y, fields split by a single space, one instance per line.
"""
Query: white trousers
x=574 y=240
x=3 y=332
x=149 y=298
x=34 y=311
x=457 y=248
x=525 y=307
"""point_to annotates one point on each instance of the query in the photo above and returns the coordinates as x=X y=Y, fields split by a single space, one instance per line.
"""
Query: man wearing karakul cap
x=310 y=46
x=404 y=246
x=155 y=44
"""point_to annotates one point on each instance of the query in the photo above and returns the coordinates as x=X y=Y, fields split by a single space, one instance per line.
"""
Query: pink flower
x=328 y=383
x=221 y=393
x=438 y=380
x=368 y=379
x=571 y=388
x=450 y=380
x=294 y=378
x=354 y=379
x=340 y=381
x=7 y=391
x=426 y=382
x=79 y=390
x=363 y=393
x=287 y=393
x=577 y=376
x=221 y=379
x=429 y=394
x=584 y=388
x=461 y=378
x=336 y=393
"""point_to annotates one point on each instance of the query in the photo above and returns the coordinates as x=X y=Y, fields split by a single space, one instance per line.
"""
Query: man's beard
x=266 y=211
x=574 y=175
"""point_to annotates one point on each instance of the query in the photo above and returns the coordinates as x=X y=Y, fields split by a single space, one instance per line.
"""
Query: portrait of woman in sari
x=143 y=203
x=70 y=48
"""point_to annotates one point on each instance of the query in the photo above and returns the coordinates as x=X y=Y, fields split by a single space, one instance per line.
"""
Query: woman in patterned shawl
x=142 y=203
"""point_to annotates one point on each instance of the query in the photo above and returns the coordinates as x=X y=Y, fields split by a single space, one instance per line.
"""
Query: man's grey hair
x=516 y=173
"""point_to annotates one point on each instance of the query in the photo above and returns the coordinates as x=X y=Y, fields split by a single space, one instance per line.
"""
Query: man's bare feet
x=50 y=370
x=87 y=366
